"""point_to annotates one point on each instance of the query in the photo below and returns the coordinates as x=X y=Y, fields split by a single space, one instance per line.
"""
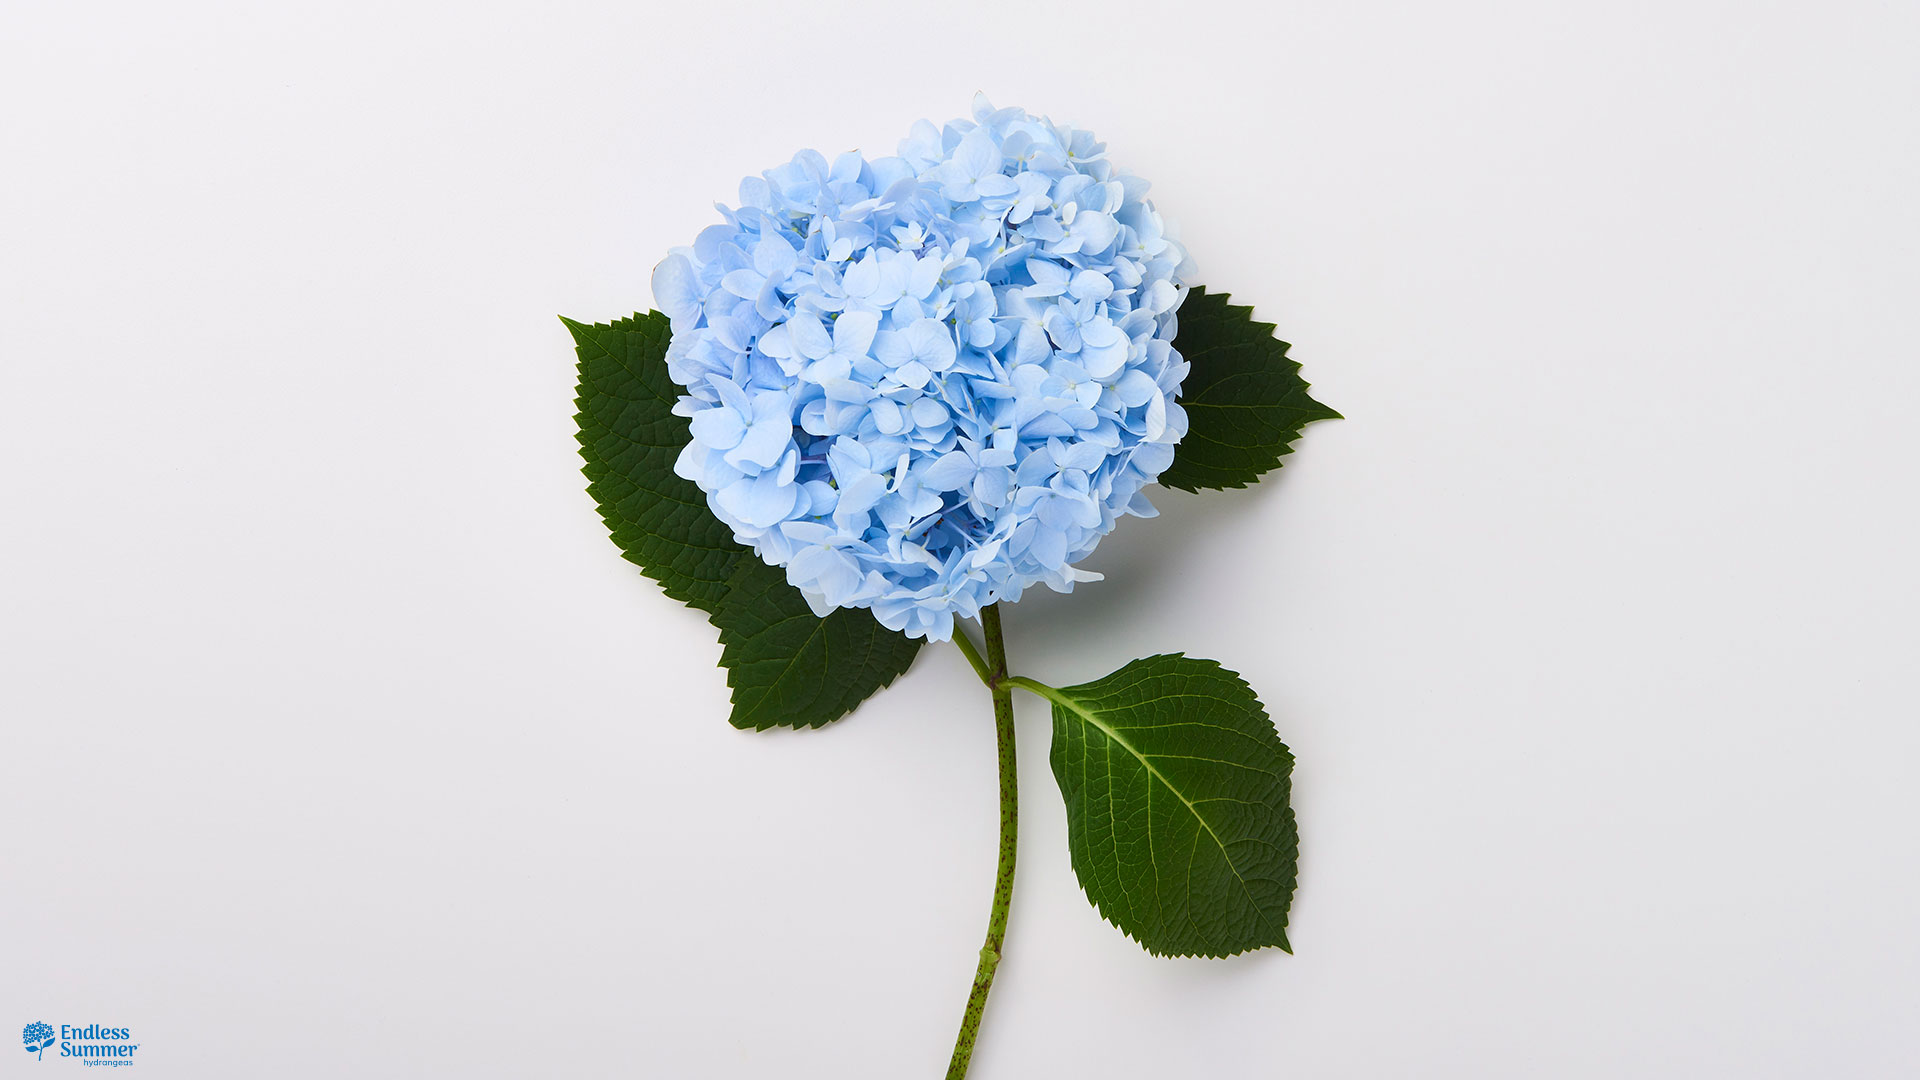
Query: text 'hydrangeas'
x=922 y=383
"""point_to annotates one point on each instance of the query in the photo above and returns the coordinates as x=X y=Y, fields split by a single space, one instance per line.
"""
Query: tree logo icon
x=38 y=1037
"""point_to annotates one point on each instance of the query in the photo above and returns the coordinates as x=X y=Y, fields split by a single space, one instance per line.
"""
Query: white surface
x=339 y=742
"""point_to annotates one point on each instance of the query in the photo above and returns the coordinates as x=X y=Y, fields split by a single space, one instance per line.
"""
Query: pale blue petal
x=720 y=428
x=853 y=332
x=760 y=502
x=676 y=289
x=949 y=472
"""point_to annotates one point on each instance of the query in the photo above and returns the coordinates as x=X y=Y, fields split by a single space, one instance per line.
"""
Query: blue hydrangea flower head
x=922 y=383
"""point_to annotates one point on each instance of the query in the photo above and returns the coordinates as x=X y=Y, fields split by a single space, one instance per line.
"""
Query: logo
x=38 y=1037
x=93 y=1044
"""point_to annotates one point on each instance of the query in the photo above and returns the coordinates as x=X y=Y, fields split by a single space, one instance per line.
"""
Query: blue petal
x=674 y=289
x=949 y=472
x=720 y=428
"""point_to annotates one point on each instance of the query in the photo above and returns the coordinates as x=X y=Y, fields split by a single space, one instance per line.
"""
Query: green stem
x=992 y=671
x=1043 y=690
x=972 y=654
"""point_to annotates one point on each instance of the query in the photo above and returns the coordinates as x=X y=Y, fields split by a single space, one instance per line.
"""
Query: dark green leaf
x=629 y=438
x=1177 y=818
x=787 y=667
x=1245 y=400
x=790 y=668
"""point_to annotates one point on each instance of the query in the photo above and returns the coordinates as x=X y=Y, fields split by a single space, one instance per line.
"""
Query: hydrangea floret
x=922 y=383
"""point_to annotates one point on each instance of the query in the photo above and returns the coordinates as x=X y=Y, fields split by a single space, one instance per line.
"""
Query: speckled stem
x=992 y=671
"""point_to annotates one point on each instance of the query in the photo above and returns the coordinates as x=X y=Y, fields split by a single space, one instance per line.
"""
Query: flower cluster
x=922 y=383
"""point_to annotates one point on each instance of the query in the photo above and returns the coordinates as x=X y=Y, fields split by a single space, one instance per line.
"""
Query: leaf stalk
x=972 y=652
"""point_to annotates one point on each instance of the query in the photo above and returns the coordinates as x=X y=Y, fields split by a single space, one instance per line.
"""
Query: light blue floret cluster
x=922 y=383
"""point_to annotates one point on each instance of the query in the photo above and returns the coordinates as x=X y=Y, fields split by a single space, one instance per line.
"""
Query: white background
x=340 y=742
